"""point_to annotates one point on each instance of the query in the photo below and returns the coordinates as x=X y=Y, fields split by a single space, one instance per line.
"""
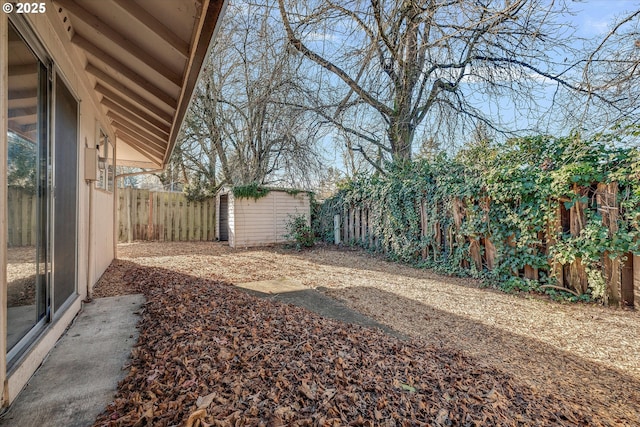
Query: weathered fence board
x=438 y=239
x=21 y=218
x=143 y=215
x=163 y=216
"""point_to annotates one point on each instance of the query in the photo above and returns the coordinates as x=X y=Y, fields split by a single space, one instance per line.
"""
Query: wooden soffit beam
x=140 y=82
x=22 y=70
x=138 y=146
x=22 y=94
x=149 y=21
x=139 y=125
x=15 y=113
x=116 y=37
x=139 y=101
x=114 y=63
x=130 y=109
x=153 y=142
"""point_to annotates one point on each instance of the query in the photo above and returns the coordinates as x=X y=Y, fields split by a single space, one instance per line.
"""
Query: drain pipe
x=89 y=297
x=91 y=171
x=123 y=175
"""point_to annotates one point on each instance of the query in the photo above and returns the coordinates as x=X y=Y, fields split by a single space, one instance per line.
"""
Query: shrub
x=300 y=231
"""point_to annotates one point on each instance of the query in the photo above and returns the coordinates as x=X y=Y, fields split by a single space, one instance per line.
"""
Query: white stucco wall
x=103 y=233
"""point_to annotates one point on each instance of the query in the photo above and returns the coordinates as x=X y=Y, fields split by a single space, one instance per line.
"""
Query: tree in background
x=613 y=67
x=402 y=71
x=242 y=127
x=22 y=163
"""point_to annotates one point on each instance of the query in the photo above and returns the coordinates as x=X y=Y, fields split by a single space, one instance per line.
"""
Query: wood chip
x=533 y=362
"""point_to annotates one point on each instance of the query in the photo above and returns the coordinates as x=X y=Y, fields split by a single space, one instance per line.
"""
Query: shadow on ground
x=320 y=303
x=607 y=392
x=144 y=249
x=610 y=395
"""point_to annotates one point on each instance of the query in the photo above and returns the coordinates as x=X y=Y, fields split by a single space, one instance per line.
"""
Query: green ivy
x=250 y=191
x=510 y=194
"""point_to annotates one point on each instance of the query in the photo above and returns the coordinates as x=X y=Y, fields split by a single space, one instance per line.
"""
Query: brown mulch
x=21 y=278
x=209 y=354
x=586 y=354
x=21 y=291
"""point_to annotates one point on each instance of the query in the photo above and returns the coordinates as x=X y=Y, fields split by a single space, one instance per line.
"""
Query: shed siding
x=232 y=220
x=263 y=221
x=288 y=205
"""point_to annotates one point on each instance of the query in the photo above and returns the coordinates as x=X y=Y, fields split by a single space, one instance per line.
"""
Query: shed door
x=224 y=218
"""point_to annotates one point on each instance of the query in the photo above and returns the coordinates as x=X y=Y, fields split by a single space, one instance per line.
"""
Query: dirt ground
x=586 y=352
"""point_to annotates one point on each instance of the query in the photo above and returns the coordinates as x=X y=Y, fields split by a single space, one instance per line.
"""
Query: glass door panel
x=65 y=198
x=28 y=188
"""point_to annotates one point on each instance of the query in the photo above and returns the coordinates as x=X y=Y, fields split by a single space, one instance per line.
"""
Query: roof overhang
x=143 y=58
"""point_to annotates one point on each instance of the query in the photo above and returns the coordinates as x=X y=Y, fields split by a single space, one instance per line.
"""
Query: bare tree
x=613 y=67
x=243 y=126
x=433 y=67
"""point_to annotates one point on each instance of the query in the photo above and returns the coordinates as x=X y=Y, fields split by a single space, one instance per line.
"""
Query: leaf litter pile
x=211 y=355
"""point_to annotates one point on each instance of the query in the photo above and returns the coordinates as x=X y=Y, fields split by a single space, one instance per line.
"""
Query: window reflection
x=27 y=189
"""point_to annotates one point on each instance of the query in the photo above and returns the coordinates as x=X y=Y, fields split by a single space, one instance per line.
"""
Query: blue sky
x=592 y=20
x=595 y=16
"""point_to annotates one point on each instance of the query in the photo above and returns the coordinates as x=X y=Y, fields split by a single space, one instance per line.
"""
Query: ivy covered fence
x=532 y=214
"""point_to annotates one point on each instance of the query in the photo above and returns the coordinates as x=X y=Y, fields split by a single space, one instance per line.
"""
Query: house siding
x=50 y=33
x=103 y=233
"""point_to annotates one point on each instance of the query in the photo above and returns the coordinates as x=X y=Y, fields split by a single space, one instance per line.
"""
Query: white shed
x=246 y=221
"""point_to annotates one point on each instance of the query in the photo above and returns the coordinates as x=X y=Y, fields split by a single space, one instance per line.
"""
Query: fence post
x=370 y=228
x=32 y=214
x=129 y=196
x=636 y=281
x=150 y=234
x=336 y=229
x=356 y=225
x=365 y=227
x=609 y=209
x=352 y=220
x=345 y=228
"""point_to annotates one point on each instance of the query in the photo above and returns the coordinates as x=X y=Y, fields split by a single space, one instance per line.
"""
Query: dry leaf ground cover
x=550 y=364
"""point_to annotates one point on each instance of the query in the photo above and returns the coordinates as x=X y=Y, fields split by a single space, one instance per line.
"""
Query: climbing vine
x=514 y=198
x=250 y=191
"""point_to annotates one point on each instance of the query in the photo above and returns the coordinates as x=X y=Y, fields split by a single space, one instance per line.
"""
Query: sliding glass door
x=65 y=194
x=28 y=194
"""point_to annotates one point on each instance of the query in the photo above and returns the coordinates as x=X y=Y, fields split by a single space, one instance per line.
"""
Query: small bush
x=300 y=231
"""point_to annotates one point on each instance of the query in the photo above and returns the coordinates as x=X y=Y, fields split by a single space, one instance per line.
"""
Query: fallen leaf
x=200 y=413
x=203 y=402
x=307 y=390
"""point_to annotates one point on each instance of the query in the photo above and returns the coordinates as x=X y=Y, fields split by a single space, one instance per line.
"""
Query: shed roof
x=293 y=191
x=143 y=58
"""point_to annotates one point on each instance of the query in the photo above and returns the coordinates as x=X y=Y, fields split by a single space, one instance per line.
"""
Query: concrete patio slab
x=294 y=292
x=81 y=374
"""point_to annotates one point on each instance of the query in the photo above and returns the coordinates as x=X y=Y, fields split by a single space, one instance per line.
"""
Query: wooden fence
x=163 y=216
x=621 y=274
x=21 y=211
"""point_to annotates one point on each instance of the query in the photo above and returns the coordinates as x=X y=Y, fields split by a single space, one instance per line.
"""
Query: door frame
x=15 y=354
x=58 y=75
